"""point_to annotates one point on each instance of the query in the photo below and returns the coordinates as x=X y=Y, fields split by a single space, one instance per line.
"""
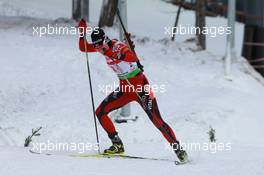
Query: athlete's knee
x=99 y=112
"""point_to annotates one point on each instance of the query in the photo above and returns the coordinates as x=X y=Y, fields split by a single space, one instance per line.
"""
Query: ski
x=102 y=155
x=127 y=157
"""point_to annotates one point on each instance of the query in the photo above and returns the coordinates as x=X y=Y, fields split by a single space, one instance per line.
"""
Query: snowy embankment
x=44 y=83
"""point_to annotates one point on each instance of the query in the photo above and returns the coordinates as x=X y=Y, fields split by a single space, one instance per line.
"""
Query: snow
x=44 y=83
x=223 y=163
x=37 y=8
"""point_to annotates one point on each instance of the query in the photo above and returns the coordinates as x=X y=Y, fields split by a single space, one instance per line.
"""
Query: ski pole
x=91 y=92
x=129 y=41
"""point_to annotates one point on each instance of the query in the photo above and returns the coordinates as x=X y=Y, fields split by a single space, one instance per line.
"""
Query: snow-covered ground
x=44 y=83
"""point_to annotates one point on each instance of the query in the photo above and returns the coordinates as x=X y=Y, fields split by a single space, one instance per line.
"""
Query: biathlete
x=126 y=65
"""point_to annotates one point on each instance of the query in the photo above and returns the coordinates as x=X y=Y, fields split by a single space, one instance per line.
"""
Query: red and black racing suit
x=121 y=97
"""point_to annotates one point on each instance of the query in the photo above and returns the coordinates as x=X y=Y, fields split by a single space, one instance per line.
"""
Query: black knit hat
x=98 y=36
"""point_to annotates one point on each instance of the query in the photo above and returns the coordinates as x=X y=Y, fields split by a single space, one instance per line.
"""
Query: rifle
x=129 y=41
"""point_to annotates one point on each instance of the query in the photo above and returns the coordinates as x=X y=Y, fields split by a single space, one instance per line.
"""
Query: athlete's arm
x=84 y=46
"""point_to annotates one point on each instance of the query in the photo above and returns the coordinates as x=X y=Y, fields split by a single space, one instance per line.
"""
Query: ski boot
x=181 y=154
x=117 y=147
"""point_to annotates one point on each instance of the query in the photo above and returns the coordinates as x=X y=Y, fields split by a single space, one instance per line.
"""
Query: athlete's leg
x=113 y=101
x=149 y=103
x=151 y=108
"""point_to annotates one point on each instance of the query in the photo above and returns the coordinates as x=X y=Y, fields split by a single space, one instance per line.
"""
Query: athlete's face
x=101 y=47
x=98 y=46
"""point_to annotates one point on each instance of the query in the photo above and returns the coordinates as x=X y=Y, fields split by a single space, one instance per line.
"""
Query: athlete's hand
x=82 y=27
x=120 y=56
